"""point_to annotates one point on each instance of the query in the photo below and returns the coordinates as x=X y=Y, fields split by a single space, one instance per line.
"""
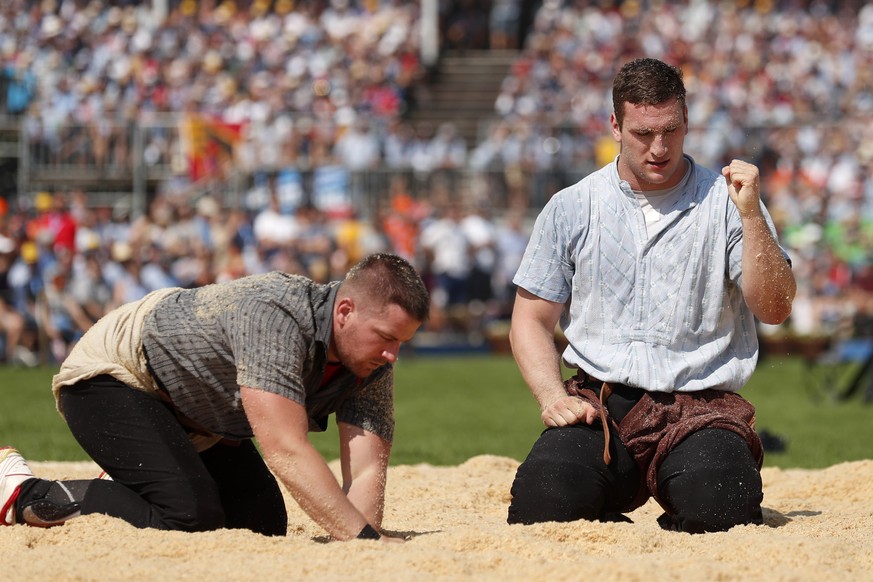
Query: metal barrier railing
x=113 y=159
x=136 y=159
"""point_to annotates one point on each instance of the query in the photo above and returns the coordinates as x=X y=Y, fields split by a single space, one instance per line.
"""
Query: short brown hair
x=392 y=280
x=646 y=82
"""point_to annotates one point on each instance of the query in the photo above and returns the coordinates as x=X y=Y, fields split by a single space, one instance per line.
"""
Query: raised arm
x=532 y=336
x=768 y=283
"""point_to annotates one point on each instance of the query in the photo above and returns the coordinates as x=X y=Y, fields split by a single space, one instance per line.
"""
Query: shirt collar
x=689 y=195
x=324 y=317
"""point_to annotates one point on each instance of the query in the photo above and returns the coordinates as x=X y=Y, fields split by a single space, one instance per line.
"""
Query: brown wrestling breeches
x=697 y=454
x=661 y=420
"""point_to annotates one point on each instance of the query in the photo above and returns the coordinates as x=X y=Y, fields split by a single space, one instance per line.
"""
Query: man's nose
x=391 y=353
x=659 y=145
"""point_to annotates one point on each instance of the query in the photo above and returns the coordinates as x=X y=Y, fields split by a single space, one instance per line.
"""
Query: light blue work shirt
x=659 y=309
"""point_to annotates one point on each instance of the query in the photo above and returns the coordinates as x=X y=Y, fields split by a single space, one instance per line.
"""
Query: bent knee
x=542 y=492
x=562 y=479
x=196 y=520
x=715 y=488
x=189 y=510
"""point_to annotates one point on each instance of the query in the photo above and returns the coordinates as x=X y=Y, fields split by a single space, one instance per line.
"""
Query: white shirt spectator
x=274 y=229
x=358 y=148
x=448 y=245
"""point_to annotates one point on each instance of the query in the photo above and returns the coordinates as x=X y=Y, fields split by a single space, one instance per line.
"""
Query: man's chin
x=363 y=371
x=657 y=175
x=656 y=181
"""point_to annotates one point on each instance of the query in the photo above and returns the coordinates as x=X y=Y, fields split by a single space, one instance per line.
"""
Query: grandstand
x=334 y=119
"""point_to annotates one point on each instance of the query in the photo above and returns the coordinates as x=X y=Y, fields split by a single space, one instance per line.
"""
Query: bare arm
x=768 y=283
x=532 y=336
x=364 y=458
x=280 y=426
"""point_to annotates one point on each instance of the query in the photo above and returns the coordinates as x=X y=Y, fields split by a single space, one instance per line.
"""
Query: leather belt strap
x=605 y=393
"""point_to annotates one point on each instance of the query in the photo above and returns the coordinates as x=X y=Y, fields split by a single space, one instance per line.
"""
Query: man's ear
x=616 y=129
x=343 y=309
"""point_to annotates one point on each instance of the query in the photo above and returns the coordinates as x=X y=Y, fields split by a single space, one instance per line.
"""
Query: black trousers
x=710 y=480
x=159 y=480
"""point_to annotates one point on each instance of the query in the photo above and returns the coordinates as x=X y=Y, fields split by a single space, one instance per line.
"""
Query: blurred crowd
x=66 y=263
x=292 y=71
x=787 y=84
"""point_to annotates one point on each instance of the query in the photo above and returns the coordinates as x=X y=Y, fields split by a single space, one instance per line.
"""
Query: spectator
x=358 y=147
x=61 y=317
x=478 y=226
x=401 y=220
x=510 y=241
x=315 y=243
x=127 y=285
x=20 y=83
x=272 y=228
x=12 y=322
x=54 y=226
x=448 y=255
x=399 y=144
x=25 y=279
x=87 y=285
x=448 y=149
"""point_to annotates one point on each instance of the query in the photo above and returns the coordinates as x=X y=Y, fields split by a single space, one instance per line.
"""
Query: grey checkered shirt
x=269 y=332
